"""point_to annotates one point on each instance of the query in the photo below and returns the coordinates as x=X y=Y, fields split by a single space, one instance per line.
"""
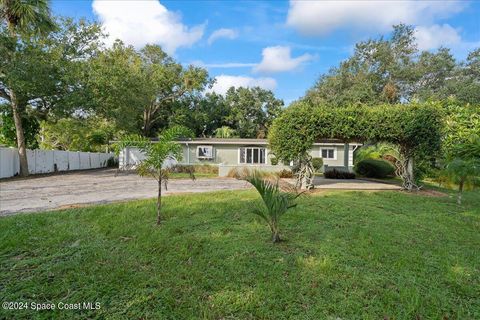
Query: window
x=328 y=153
x=252 y=155
x=205 y=152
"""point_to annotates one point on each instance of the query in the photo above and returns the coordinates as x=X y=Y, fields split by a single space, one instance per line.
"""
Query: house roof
x=241 y=141
x=207 y=141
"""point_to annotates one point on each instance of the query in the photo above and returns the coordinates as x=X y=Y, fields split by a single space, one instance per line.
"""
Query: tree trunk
x=460 y=191
x=159 y=201
x=146 y=123
x=22 y=149
x=275 y=234
x=276 y=237
x=405 y=171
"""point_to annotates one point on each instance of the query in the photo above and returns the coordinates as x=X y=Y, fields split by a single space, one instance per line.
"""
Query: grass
x=347 y=255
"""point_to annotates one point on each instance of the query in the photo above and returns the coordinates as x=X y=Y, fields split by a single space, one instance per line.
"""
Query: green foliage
x=414 y=128
x=461 y=172
x=27 y=15
x=8 y=134
x=276 y=202
x=46 y=72
x=195 y=168
x=335 y=260
x=140 y=89
x=376 y=151
x=249 y=112
x=224 y=132
x=471 y=149
x=338 y=174
x=317 y=164
x=156 y=155
x=72 y=134
x=461 y=127
x=391 y=69
x=274 y=161
x=374 y=168
x=252 y=111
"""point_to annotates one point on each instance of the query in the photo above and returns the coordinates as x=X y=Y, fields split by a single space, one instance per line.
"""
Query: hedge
x=415 y=128
x=373 y=168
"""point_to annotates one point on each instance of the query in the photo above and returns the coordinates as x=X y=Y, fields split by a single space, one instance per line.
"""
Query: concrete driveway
x=93 y=187
x=353 y=184
x=102 y=186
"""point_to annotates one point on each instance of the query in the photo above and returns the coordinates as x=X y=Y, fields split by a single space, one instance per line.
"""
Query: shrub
x=372 y=168
x=317 y=164
x=242 y=173
x=274 y=161
x=112 y=162
x=198 y=168
x=338 y=174
x=285 y=173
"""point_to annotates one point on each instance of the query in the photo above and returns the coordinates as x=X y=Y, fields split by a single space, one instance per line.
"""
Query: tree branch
x=4 y=94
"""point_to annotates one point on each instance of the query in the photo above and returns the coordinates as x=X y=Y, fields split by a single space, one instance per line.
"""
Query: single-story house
x=233 y=153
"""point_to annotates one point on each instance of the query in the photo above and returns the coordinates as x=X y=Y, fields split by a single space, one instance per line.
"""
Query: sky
x=278 y=45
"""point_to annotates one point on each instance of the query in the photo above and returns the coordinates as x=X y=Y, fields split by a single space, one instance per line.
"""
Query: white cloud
x=321 y=17
x=222 y=33
x=225 y=82
x=279 y=59
x=140 y=22
x=222 y=65
x=231 y=65
x=435 y=36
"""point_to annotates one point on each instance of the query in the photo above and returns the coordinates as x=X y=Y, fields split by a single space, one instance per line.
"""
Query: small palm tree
x=276 y=202
x=461 y=171
x=157 y=155
x=224 y=132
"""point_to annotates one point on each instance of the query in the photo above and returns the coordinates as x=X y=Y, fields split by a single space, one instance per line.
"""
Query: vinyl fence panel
x=46 y=161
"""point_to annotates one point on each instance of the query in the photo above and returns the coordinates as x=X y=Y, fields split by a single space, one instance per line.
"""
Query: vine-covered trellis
x=414 y=128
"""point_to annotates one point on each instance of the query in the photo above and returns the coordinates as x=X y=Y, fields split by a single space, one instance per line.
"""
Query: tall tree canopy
x=393 y=70
x=252 y=111
x=136 y=88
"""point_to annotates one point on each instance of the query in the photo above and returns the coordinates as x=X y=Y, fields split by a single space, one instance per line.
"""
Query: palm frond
x=276 y=202
x=27 y=15
x=174 y=133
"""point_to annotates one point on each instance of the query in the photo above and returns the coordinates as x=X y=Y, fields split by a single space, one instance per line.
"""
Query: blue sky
x=279 y=45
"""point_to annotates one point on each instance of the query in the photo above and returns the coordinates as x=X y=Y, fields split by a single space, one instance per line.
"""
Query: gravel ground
x=93 y=187
x=72 y=189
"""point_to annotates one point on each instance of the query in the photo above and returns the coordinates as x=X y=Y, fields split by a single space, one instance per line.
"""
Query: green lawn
x=347 y=255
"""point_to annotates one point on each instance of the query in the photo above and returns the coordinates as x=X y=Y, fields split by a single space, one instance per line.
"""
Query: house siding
x=227 y=154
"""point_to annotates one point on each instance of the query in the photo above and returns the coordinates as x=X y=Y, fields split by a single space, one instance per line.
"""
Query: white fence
x=45 y=161
x=130 y=157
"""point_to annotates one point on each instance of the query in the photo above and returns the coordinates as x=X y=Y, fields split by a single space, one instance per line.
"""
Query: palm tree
x=22 y=16
x=276 y=202
x=157 y=155
x=224 y=132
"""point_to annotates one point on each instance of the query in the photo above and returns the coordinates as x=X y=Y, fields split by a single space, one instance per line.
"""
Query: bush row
x=374 y=168
x=198 y=168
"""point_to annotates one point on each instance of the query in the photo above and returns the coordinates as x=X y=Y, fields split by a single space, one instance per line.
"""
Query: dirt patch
x=428 y=193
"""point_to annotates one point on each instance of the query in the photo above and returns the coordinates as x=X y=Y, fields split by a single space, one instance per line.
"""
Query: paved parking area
x=102 y=186
x=93 y=187
x=353 y=184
